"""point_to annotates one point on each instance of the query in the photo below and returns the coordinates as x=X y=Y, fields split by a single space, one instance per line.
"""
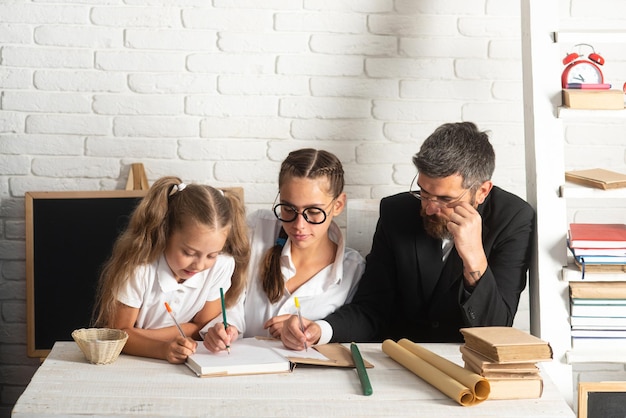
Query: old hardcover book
x=597 y=177
x=599 y=268
x=482 y=365
x=506 y=344
x=597 y=290
x=523 y=388
x=593 y=99
x=514 y=374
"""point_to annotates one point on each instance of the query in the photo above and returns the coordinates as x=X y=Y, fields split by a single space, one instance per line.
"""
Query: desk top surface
x=67 y=385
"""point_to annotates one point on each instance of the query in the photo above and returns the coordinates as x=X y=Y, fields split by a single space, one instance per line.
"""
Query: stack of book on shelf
x=507 y=357
x=598 y=301
x=598 y=314
x=598 y=247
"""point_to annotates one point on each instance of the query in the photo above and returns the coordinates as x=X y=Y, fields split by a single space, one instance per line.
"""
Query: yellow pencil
x=297 y=302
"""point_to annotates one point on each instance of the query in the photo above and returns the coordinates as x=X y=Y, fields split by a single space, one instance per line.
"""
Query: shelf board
x=590 y=36
x=597 y=355
x=588 y=114
x=576 y=191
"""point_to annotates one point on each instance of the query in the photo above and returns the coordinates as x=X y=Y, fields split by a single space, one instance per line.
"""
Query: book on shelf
x=599 y=268
x=599 y=333
x=598 y=309
x=592 y=235
x=593 y=99
x=598 y=290
x=602 y=343
x=599 y=178
x=597 y=322
x=506 y=344
x=262 y=355
x=578 y=252
x=599 y=301
x=598 y=255
x=599 y=273
x=600 y=259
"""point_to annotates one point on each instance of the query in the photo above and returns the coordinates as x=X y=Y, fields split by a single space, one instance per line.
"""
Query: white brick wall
x=202 y=89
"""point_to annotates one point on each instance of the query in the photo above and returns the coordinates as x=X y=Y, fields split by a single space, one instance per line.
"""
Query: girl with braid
x=183 y=243
x=297 y=251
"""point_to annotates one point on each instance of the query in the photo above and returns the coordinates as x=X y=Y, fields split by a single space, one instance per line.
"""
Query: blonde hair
x=167 y=206
x=303 y=163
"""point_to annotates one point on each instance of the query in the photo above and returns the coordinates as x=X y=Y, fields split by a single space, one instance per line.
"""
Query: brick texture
x=219 y=92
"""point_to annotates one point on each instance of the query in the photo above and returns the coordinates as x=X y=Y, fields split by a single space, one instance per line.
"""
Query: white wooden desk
x=66 y=385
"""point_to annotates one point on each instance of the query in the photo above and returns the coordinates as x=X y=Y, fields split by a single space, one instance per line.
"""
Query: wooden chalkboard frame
x=35 y=277
x=588 y=389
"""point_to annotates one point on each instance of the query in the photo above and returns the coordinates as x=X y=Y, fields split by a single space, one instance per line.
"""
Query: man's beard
x=435 y=226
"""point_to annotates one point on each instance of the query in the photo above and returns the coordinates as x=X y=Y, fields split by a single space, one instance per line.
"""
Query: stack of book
x=507 y=357
x=598 y=314
x=598 y=247
x=598 y=306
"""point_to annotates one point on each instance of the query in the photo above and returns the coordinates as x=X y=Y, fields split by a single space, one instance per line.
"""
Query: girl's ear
x=339 y=205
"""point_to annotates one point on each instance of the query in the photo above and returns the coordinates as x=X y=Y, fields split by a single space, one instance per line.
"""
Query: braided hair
x=303 y=163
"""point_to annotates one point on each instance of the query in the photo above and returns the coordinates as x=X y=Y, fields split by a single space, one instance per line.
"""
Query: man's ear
x=483 y=191
x=339 y=205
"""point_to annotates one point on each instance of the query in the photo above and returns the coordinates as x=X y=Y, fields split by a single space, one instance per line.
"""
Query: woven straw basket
x=100 y=345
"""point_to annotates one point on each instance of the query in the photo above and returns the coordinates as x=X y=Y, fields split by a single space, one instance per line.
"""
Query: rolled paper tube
x=447 y=385
x=475 y=382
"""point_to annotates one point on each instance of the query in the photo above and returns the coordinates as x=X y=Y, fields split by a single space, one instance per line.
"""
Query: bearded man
x=452 y=252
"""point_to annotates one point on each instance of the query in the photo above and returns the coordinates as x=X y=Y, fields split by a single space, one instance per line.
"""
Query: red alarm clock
x=581 y=70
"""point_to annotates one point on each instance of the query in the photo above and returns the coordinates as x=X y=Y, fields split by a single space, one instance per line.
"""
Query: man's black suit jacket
x=408 y=292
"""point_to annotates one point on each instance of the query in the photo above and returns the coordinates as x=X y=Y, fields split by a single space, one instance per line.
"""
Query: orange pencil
x=169 y=310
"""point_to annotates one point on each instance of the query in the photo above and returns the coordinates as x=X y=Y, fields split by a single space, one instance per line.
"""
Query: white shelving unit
x=546 y=190
x=575 y=191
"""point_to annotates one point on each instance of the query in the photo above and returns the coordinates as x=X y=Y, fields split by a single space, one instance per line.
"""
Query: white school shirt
x=319 y=296
x=154 y=284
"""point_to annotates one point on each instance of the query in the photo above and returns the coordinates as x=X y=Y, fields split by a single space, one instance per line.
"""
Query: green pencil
x=224 y=314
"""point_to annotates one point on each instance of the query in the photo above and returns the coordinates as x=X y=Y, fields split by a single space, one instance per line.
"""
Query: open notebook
x=258 y=355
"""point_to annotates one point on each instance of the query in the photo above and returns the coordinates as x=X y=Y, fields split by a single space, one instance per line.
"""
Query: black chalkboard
x=69 y=235
x=602 y=400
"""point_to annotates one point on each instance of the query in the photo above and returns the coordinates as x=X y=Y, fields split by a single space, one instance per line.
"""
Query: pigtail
x=142 y=242
x=271 y=276
x=237 y=245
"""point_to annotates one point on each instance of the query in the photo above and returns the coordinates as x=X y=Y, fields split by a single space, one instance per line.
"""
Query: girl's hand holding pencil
x=181 y=347
x=178 y=349
x=222 y=334
x=218 y=338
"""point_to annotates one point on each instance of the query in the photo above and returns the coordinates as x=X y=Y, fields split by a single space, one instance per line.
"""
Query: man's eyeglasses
x=436 y=200
x=288 y=213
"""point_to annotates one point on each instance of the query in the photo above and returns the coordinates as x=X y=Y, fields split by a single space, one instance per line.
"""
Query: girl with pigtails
x=182 y=244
